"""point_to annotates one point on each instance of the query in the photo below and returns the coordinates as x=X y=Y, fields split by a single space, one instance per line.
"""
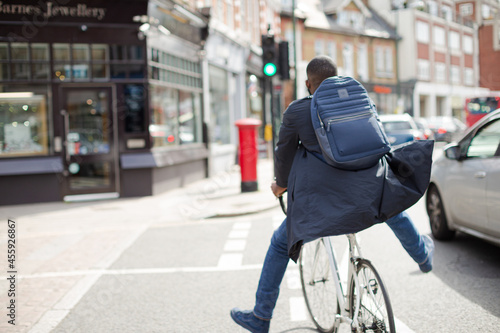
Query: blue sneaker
x=248 y=320
x=426 y=266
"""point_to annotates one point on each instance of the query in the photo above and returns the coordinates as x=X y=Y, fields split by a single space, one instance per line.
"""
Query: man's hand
x=277 y=190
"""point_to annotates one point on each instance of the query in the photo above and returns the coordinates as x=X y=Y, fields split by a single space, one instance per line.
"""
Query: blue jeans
x=277 y=259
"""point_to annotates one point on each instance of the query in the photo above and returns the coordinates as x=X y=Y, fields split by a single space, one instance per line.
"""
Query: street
x=154 y=264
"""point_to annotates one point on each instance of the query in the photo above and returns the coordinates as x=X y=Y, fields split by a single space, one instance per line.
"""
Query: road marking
x=298 y=310
x=242 y=226
x=93 y=273
x=293 y=279
x=235 y=245
x=230 y=260
x=54 y=316
x=401 y=327
x=238 y=234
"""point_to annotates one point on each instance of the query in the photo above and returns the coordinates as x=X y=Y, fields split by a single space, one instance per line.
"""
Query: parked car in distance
x=423 y=125
x=400 y=128
x=446 y=128
x=464 y=191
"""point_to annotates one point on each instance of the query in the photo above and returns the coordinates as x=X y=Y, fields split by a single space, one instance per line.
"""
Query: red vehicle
x=478 y=107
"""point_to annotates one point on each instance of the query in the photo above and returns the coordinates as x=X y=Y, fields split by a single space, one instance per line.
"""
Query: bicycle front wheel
x=318 y=285
x=375 y=311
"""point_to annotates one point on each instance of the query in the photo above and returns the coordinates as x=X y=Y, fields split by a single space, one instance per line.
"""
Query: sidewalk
x=58 y=244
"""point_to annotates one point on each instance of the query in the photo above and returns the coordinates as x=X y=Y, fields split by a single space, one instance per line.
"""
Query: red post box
x=248 y=153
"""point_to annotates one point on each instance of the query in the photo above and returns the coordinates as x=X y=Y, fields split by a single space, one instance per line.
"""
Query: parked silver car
x=464 y=193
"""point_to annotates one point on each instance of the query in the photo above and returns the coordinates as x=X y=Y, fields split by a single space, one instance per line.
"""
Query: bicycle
x=365 y=306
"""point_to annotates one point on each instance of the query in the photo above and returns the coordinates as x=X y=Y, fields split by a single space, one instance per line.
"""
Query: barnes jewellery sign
x=48 y=10
x=39 y=12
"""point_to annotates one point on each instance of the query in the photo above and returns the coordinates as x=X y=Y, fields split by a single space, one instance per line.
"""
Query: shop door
x=90 y=165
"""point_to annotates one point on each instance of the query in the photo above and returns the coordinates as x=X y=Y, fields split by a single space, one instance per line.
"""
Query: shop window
x=80 y=71
x=118 y=71
x=117 y=52
x=23 y=121
x=219 y=106
x=62 y=72
x=20 y=71
x=20 y=51
x=134 y=96
x=175 y=116
x=39 y=52
x=61 y=52
x=164 y=114
x=4 y=71
x=189 y=113
x=4 y=51
x=136 y=52
x=99 y=52
x=40 y=71
x=136 y=71
x=100 y=71
x=81 y=52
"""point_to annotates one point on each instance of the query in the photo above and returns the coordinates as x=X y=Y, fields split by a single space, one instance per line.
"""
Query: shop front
x=80 y=96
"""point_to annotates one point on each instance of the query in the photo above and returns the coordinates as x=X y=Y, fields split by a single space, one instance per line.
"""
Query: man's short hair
x=319 y=69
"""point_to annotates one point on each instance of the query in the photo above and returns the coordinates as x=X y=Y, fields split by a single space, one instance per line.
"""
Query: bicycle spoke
x=375 y=313
x=318 y=285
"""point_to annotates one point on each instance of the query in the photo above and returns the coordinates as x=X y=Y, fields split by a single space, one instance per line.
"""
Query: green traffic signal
x=270 y=69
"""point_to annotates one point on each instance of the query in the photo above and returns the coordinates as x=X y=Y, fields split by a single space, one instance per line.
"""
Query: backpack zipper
x=339 y=119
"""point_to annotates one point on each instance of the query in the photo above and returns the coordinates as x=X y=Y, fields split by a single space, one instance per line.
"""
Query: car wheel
x=437 y=216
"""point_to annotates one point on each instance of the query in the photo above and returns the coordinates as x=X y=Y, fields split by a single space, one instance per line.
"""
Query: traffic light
x=269 y=56
x=283 y=63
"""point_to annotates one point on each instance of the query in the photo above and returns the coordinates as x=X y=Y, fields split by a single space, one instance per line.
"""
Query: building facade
x=362 y=44
x=97 y=102
x=439 y=51
x=486 y=15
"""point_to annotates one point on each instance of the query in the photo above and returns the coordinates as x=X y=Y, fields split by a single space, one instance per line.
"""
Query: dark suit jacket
x=325 y=201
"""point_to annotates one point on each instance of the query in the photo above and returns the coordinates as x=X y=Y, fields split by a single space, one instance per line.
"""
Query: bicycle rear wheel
x=375 y=312
x=318 y=285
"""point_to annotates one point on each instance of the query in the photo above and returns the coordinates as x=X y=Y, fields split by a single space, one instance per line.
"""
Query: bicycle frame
x=343 y=299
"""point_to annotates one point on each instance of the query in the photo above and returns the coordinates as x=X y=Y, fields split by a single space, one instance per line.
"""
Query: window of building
x=455 y=74
x=379 y=60
x=440 y=72
x=423 y=71
x=175 y=94
x=388 y=61
x=496 y=28
x=486 y=12
x=384 y=62
x=164 y=127
x=332 y=51
x=432 y=7
x=439 y=36
x=454 y=40
x=469 y=76
x=175 y=116
x=363 y=62
x=468 y=44
x=230 y=14
x=23 y=120
x=465 y=9
x=347 y=57
x=447 y=13
x=220 y=118
x=174 y=71
x=422 y=32
x=349 y=18
x=319 y=47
